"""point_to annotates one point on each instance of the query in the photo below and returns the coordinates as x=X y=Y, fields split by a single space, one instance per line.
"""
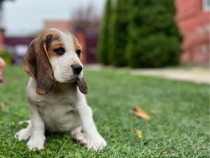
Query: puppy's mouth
x=79 y=81
x=74 y=78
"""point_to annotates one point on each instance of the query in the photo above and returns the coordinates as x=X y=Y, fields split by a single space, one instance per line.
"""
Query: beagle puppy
x=55 y=92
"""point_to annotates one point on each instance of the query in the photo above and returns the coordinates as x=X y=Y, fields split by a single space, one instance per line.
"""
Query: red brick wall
x=59 y=24
x=1 y=39
x=194 y=25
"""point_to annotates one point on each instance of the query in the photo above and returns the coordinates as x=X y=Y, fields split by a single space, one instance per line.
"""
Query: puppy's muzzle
x=76 y=69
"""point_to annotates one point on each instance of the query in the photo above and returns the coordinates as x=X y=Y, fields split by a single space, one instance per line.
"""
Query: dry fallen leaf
x=139 y=133
x=140 y=113
x=152 y=112
x=2 y=106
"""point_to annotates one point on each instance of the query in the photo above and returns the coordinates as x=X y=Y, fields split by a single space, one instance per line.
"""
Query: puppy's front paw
x=96 y=142
x=23 y=134
x=36 y=143
x=80 y=138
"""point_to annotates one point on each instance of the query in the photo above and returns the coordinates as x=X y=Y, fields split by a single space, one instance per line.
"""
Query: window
x=206 y=5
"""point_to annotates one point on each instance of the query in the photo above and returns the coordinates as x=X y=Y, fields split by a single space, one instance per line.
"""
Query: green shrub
x=6 y=56
x=156 y=50
x=118 y=33
x=104 y=41
x=154 y=38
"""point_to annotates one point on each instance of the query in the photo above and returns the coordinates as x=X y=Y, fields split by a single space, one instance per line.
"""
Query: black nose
x=76 y=69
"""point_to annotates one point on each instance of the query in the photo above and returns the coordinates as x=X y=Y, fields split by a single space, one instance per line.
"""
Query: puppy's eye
x=59 y=51
x=78 y=52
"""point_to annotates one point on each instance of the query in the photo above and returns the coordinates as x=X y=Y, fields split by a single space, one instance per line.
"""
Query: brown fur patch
x=37 y=64
x=77 y=46
x=55 y=45
x=52 y=41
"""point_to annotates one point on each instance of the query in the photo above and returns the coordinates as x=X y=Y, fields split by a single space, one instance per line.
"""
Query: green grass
x=180 y=127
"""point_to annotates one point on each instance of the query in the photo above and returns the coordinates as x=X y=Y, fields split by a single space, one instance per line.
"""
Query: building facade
x=193 y=20
x=1 y=39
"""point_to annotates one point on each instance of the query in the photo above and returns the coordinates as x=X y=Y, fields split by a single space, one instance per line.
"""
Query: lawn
x=179 y=128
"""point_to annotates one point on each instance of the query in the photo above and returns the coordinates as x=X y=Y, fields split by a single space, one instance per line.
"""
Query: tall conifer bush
x=104 y=41
x=154 y=38
x=118 y=33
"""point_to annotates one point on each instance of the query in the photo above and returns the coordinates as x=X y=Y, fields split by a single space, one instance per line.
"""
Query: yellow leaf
x=139 y=133
x=152 y=112
x=2 y=105
x=140 y=113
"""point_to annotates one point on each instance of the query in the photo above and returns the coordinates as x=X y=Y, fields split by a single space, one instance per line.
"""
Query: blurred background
x=137 y=34
x=161 y=38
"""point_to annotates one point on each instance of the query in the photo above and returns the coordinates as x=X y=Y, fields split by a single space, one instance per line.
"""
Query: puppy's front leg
x=38 y=129
x=94 y=139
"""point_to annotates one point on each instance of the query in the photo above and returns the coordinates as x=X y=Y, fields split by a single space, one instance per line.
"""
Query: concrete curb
x=196 y=75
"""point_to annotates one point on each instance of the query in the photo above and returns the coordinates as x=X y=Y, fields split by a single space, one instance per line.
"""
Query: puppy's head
x=54 y=56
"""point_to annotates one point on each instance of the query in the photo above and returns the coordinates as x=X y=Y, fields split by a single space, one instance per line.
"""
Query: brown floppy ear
x=37 y=65
x=82 y=86
x=81 y=83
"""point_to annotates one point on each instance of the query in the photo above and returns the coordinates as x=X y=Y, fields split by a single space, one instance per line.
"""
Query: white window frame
x=206 y=7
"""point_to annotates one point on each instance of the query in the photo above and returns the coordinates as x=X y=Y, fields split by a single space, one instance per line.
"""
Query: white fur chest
x=57 y=108
x=59 y=117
